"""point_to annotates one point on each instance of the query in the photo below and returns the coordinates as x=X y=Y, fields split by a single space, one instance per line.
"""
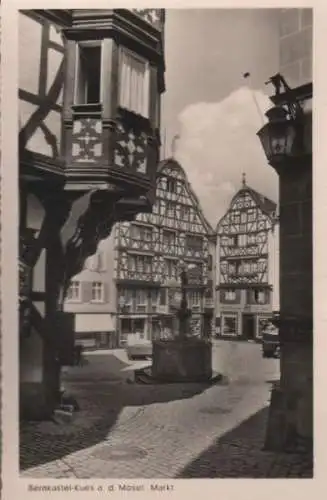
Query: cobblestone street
x=165 y=431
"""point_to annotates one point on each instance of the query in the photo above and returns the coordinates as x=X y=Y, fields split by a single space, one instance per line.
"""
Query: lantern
x=280 y=137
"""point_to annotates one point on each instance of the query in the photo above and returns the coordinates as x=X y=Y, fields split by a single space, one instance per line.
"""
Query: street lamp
x=282 y=136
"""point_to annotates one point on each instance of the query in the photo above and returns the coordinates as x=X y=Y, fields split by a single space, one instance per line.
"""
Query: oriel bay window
x=134 y=82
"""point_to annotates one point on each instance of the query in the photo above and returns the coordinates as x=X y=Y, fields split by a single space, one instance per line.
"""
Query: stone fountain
x=183 y=358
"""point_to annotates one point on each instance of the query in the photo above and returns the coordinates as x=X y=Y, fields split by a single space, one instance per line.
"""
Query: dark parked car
x=270 y=341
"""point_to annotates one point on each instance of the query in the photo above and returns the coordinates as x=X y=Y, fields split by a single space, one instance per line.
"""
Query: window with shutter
x=134 y=83
x=97 y=293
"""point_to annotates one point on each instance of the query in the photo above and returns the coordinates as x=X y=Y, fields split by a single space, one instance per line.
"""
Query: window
x=251 y=239
x=260 y=296
x=163 y=297
x=154 y=297
x=242 y=240
x=134 y=83
x=229 y=325
x=170 y=209
x=141 y=233
x=243 y=217
x=171 y=269
x=235 y=217
x=169 y=238
x=171 y=186
x=141 y=297
x=97 y=293
x=140 y=263
x=88 y=74
x=74 y=291
x=251 y=215
x=185 y=213
x=194 y=242
x=230 y=295
x=194 y=298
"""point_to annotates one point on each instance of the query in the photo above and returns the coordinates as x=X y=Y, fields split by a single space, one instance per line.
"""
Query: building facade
x=91 y=297
x=247 y=265
x=90 y=83
x=148 y=253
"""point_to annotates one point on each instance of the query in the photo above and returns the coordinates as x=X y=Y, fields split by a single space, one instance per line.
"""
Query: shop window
x=88 y=73
x=229 y=325
x=134 y=83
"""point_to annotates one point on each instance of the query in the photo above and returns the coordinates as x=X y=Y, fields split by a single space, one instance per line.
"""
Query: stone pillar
x=291 y=416
x=296 y=300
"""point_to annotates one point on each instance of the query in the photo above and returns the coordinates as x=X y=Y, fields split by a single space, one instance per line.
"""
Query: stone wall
x=295 y=47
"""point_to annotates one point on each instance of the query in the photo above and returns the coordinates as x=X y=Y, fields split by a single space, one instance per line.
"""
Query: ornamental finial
x=244 y=179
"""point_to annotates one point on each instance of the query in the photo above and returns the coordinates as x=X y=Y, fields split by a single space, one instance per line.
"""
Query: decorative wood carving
x=131 y=148
x=87 y=140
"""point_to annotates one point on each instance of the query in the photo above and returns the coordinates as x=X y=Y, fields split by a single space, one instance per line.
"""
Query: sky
x=215 y=111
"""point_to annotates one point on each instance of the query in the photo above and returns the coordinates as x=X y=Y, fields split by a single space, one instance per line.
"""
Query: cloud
x=218 y=142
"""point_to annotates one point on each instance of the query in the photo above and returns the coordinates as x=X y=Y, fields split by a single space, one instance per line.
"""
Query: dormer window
x=88 y=73
x=134 y=83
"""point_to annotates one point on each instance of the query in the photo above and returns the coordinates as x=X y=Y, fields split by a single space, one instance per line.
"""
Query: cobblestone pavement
x=167 y=431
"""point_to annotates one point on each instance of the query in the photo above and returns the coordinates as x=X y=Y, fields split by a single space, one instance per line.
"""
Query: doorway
x=248 y=326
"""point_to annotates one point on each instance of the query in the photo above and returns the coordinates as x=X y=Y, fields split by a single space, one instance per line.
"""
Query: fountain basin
x=182 y=360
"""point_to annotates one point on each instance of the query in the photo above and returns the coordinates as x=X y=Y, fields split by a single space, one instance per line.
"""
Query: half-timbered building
x=148 y=254
x=247 y=265
x=90 y=82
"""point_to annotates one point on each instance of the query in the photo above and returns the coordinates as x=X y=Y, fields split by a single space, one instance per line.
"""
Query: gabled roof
x=265 y=204
x=172 y=163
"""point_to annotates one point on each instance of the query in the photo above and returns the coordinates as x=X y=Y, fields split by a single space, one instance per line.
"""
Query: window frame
x=146 y=104
x=78 y=298
x=94 y=288
x=87 y=44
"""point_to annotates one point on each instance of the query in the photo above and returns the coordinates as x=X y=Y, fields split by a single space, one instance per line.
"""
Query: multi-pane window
x=134 y=82
x=235 y=217
x=97 y=291
x=171 y=269
x=232 y=268
x=194 y=242
x=170 y=209
x=194 y=298
x=88 y=73
x=141 y=233
x=171 y=186
x=251 y=215
x=169 y=238
x=242 y=240
x=74 y=291
x=126 y=296
x=141 y=297
x=251 y=239
x=243 y=217
x=230 y=295
x=229 y=325
x=154 y=296
x=141 y=263
x=185 y=212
